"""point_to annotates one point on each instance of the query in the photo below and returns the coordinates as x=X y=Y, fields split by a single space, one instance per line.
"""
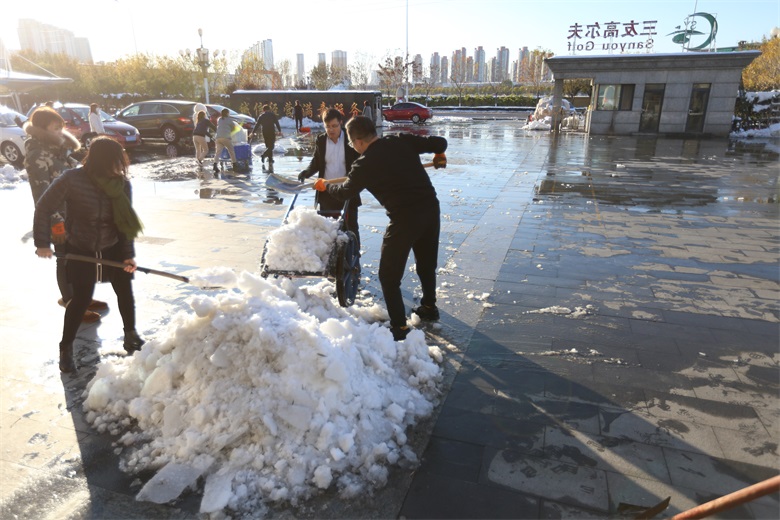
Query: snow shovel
x=287 y=185
x=113 y=263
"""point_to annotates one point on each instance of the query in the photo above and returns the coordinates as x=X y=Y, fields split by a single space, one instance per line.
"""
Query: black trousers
x=418 y=232
x=331 y=207
x=83 y=276
x=270 y=143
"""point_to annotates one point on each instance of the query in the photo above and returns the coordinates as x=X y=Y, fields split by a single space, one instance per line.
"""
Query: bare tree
x=429 y=80
x=283 y=68
x=393 y=73
x=360 y=70
x=458 y=78
x=321 y=77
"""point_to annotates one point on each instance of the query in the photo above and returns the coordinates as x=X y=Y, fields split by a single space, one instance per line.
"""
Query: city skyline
x=378 y=30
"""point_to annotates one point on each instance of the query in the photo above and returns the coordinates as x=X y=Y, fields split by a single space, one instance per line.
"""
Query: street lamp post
x=201 y=58
x=203 y=61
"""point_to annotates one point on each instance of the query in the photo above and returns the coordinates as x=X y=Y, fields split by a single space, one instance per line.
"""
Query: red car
x=76 y=116
x=407 y=111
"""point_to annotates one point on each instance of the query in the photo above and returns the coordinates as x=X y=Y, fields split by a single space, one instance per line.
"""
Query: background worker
x=266 y=123
x=367 y=111
x=203 y=127
x=100 y=223
x=95 y=122
x=390 y=169
x=333 y=157
x=226 y=127
x=298 y=116
x=47 y=155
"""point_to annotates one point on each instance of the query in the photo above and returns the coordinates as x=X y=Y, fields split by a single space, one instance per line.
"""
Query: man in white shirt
x=332 y=159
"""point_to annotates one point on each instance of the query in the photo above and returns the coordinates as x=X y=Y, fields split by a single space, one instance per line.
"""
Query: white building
x=44 y=38
x=338 y=59
x=300 y=70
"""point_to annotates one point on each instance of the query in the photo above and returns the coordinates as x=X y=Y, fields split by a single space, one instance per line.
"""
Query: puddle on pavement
x=642 y=173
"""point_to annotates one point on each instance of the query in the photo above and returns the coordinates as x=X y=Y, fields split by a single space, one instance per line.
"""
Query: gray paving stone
x=549 y=479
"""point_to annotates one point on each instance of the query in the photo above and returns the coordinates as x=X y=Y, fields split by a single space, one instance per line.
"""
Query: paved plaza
x=610 y=322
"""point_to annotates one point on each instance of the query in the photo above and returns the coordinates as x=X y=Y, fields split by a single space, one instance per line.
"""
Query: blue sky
x=373 y=30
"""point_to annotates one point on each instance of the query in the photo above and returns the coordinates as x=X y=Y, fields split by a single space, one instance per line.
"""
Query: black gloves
x=302 y=176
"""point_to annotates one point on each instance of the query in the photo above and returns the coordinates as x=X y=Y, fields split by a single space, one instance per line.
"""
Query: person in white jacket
x=95 y=123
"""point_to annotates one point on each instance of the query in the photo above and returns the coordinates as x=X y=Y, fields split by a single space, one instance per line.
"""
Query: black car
x=168 y=119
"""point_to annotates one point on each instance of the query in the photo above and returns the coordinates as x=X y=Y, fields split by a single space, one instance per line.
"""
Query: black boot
x=67 y=365
x=133 y=341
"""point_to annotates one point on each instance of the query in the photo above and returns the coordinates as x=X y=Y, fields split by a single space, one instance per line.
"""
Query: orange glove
x=320 y=185
x=439 y=161
x=58 y=235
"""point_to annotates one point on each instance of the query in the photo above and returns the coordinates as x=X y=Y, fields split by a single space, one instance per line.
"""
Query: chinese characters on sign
x=602 y=36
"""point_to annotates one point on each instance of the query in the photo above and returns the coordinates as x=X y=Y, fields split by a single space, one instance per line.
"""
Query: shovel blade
x=285 y=185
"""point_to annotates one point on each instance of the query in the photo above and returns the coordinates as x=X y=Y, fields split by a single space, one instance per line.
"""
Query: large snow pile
x=10 y=176
x=266 y=392
x=304 y=243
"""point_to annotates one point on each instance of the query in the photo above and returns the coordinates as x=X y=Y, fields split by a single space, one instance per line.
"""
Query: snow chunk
x=169 y=483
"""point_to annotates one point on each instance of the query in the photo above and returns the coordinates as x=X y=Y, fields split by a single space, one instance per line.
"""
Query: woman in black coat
x=101 y=223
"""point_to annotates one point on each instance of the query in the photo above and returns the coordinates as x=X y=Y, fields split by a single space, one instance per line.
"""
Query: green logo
x=684 y=36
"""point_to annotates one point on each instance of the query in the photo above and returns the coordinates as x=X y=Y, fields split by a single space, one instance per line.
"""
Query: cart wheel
x=347 y=271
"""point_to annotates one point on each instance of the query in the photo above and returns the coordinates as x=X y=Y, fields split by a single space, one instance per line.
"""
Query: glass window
x=132 y=111
x=168 y=109
x=626 y=97
x=150 y=108
x=615 y=97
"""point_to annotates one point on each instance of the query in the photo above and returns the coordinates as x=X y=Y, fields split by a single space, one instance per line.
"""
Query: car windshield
x=83 y=113
x=106 y=117
x=7 y=117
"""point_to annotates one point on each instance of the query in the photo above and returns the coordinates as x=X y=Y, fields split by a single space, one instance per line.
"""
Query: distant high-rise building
x=479 y=64
x=502 y=64
x=83 y=51
x=263 y=50
x=417 y=68
x=267 y=48
x=435 y=68
x=338 y=59
x=321 y=59
x=523 y=56
x=445 y=70
x=300 y=71
x=469 y=70
x=490 y=73
x=44 y=38
x=458 y=64
x=4 y=57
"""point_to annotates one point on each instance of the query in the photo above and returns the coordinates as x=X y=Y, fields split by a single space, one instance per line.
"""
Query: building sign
x=685 y=36
x=612 y=36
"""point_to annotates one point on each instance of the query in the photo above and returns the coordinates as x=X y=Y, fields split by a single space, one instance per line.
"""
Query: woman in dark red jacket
x=101 y=223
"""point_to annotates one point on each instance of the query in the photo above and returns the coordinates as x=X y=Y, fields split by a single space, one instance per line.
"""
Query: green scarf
x=125 y=217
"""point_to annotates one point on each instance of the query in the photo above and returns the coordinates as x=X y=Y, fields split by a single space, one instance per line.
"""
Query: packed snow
x=266 y=392
x=10 y=177
x=304 y=243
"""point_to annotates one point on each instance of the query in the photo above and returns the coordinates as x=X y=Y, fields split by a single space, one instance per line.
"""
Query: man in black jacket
x=390 y=169
x=333 y=157
x=266 y=122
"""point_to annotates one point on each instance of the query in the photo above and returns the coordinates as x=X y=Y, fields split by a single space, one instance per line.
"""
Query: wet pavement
x=609 y=306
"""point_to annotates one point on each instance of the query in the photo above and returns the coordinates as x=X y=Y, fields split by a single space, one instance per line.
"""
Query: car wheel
x=11 y=152
x=170 y=135
x=415 y=118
